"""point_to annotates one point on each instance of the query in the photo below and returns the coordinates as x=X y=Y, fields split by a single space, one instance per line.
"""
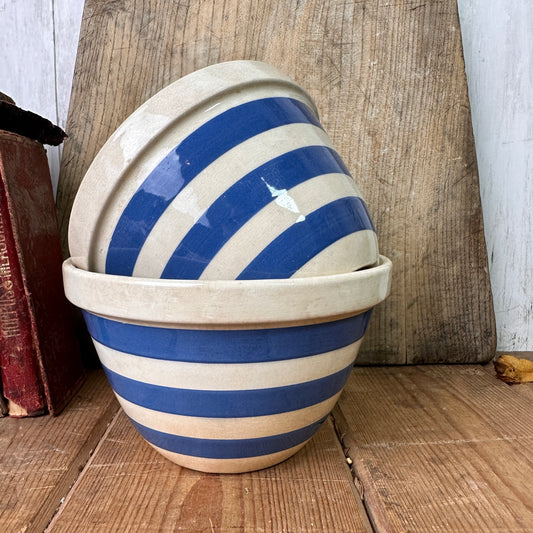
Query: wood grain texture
x=388 y=79
x=440 y=448
x=40 y=458
x=127 y=486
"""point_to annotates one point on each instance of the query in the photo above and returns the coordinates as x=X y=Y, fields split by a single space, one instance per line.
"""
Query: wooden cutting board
x=388 y=79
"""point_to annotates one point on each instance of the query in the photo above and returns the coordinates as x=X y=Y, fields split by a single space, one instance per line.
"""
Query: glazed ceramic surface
x=227 y=376
x=225 y=174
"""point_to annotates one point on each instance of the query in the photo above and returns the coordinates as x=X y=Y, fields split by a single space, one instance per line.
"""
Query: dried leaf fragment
x=512 y=369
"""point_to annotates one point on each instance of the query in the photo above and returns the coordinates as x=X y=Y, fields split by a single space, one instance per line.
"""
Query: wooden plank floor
x=127 y=486
x=40 y=458
x=440 y=448
x=432 y=448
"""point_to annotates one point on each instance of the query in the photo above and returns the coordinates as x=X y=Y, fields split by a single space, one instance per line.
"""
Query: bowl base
x=229 y=466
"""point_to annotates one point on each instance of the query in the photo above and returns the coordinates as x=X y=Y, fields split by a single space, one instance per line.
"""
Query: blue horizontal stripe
x=303 y=240
x=185 y=162
x=242 y=201
x=228 y=448
x=227 y=346
x=228 y=404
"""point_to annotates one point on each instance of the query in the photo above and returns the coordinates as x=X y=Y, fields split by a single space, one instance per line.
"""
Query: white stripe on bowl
x=288 y=208
x=226 y=377
x=249 y=427
x=197 y=196
x=344 y=255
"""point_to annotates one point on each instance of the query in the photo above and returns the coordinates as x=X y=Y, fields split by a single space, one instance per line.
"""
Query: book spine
x=19 y=370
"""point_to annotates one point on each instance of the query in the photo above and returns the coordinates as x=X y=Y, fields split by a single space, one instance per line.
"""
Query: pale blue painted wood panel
x=38 y=45
x=498 y=49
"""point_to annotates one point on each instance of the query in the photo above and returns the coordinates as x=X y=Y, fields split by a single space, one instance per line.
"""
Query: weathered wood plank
x=440 y=448
x=40 y=458
x=418 y=165
x=389 y=81
x=66 y=20
x=127 y=486
x=497 y=45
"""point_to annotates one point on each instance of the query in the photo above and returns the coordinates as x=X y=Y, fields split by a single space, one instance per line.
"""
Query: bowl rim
x=223 y=303
x=189 y=94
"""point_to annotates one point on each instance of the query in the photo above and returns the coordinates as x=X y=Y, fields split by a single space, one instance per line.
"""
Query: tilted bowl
x=226 y=173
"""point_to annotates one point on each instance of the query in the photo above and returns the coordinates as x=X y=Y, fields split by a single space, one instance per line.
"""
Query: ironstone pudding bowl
x=227 y=375
x=226 y=173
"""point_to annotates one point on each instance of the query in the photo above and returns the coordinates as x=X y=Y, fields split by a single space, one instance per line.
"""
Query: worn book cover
x=40 y=362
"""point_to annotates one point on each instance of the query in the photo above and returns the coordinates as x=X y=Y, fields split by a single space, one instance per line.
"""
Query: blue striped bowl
x=225 y=174
x=227 y=376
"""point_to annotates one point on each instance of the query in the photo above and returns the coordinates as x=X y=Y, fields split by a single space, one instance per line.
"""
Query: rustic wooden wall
x=390 y=85
x=39 y=42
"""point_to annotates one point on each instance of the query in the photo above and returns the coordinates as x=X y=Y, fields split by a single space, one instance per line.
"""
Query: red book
x=40 y=362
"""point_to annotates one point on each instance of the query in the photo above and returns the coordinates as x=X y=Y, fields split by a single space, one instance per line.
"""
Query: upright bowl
x=226 y=173
x=227 y=376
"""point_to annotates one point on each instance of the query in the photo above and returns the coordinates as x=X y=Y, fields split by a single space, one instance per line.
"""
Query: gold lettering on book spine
x=9 y=320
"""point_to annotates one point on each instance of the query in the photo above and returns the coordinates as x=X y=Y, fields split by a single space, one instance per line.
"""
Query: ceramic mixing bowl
x=225 y=174
x=227 y=376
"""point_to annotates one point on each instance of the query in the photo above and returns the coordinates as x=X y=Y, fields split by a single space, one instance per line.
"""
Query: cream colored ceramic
x=227 y=376
x=224 y=174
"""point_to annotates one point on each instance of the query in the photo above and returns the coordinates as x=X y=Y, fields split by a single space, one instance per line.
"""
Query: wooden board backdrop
x=388 y=79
